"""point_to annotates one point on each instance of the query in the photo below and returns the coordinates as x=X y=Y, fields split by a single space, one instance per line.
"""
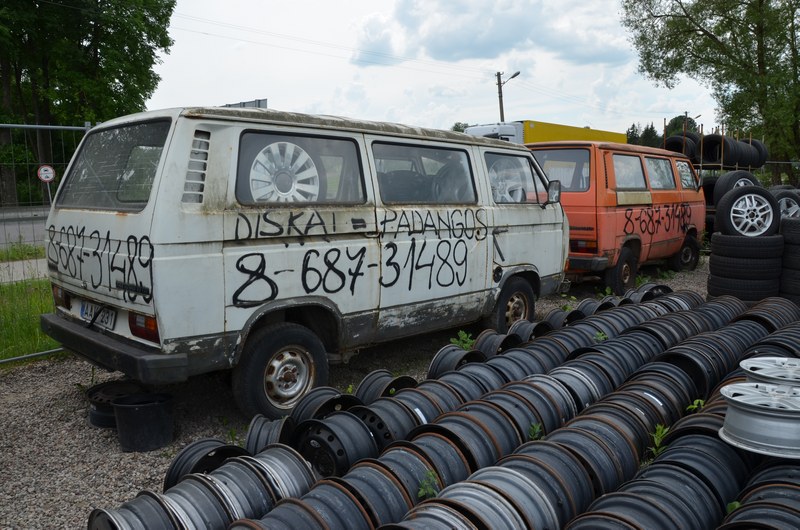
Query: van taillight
x=61 y=297
x=144 y=327
x=582 y=246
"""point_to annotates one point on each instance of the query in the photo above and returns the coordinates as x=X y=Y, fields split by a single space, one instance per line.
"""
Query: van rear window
x=115 y=168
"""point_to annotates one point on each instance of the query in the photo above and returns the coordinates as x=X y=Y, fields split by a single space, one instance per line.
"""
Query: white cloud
x=428 y=63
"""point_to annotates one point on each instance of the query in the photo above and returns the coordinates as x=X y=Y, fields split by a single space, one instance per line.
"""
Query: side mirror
x=553 y=191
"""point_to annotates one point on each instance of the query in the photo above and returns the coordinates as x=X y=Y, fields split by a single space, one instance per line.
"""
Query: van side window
x=512 y=179
x=688 y=180
x=413 y=174
x=276 y=168
x=660 y=172
x=568 y=166
x=628 y=172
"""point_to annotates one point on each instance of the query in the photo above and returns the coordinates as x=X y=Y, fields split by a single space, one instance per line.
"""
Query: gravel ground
x=56 y=467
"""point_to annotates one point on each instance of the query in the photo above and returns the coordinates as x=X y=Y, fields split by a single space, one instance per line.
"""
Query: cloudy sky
x=420 y=62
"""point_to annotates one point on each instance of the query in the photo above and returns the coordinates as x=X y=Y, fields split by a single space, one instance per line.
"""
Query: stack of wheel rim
x=790 y=271
x=746 y=249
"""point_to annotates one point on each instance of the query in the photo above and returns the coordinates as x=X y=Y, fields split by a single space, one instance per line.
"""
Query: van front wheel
x=516 y=302
x=279 y=365
x=622 y=276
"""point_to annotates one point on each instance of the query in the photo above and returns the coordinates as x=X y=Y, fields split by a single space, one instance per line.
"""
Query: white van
x=191 y=240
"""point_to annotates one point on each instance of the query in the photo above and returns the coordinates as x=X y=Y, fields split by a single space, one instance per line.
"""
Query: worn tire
x=749 y=290
x=739 y=246
x=708 y=185
x=622 y=276
x=516 y=301
x=280 y=364
x=744 y=268
x=790 y=282
x=791 y=257
x=733 y=179
x=790 y=230
x=687 y=258
x=749 y=211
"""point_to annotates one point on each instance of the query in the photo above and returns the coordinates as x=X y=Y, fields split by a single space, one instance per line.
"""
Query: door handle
x=496 y=231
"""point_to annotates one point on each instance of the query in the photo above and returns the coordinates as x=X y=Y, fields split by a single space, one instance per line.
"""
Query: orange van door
x=633 y=223
x=664 y=226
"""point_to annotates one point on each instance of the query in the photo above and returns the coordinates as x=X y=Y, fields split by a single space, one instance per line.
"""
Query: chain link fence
x=33 y=159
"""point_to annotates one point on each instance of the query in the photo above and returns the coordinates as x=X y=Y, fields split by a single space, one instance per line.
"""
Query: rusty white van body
x=191 y=240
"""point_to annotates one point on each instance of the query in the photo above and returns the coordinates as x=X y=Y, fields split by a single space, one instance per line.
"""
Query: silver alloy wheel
x=773 y=370
x=751 y=215
x=789 y=207
x=763 y=418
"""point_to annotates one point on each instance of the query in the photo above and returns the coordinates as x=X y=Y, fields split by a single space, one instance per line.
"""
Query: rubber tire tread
x=791 y=257
x=790 y=229
x=726 y=182
x=790 y=282
x=743 y=289
x=252 y=358
x=747 y=247
x=744 y=268
x=723 y=222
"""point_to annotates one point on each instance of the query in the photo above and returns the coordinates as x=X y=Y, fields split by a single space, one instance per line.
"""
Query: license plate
x=106 y=319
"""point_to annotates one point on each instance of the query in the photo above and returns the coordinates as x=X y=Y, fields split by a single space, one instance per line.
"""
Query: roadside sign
x=46 y=173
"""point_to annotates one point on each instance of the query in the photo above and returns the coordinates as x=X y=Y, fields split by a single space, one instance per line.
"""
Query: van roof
x=630 y=148
x=260 y=115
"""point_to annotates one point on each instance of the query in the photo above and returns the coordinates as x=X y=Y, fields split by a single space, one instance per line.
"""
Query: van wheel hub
x=287 y=376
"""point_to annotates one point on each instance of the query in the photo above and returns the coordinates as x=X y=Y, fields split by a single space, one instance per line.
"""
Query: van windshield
x=115 y=168
x=570 y=166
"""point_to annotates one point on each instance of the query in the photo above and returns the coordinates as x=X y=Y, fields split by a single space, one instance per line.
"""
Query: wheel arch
x=530 y=275
x=317 y=314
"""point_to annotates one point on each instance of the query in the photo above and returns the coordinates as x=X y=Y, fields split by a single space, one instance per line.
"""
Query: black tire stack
x=748 y=268
x=790 y=272
x=743 y=264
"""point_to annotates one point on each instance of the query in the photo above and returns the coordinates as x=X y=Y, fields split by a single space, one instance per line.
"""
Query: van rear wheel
x=516 y=302
x=622 y=276
x=279 y=365
x=687 y=258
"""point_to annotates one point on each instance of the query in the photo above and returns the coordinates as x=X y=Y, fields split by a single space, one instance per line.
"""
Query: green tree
x=677 y=125
x=459 y=126
x=746 y=51
x=634 y=134
x=63 y=63
x=650 y=136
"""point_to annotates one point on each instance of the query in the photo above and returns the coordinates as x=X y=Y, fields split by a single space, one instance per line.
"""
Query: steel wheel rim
x=751 y=215
x=289 y=374
x=516 y=308
x=284 y=172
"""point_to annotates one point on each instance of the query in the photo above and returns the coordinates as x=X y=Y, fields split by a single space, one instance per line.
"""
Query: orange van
x=627 y=205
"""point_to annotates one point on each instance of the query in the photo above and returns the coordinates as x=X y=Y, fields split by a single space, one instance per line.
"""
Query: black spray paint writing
x=426 y=249
x=99 y=260
x=653 y=220
x=283 y=223
x=450 y=223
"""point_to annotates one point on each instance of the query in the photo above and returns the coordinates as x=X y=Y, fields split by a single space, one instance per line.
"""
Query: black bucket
x=144 y=421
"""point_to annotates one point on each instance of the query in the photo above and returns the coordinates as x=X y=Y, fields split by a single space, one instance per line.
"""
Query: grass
x=21 y=251
x=21 y=303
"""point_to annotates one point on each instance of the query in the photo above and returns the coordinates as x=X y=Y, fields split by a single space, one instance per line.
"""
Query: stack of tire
x=746 y=249
x=719 y=150
x=790 y=272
